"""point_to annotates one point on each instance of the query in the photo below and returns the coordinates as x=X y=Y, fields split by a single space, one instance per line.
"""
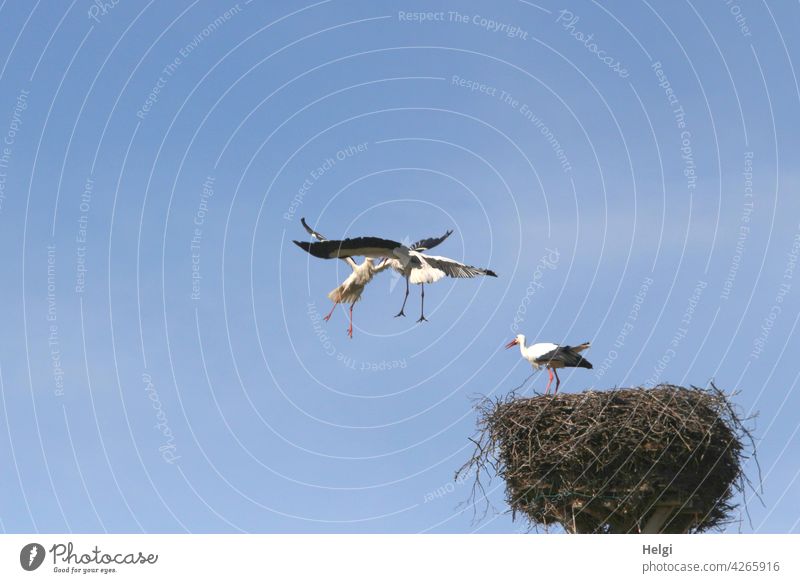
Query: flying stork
x=350 y=290
x=552 y=357
x=414 y=265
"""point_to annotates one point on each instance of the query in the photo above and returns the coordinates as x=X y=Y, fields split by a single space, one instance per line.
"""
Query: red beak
x=512 y=343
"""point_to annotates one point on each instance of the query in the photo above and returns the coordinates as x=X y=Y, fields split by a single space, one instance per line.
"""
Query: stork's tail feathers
x=582 y=362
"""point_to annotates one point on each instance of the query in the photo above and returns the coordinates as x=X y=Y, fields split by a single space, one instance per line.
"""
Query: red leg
x=550 y=380
x=558 y=382
x=350 y=330
x=328 y=317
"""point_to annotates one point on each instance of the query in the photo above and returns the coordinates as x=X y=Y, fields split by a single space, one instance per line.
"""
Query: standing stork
x=414 y=265
x=552 y=357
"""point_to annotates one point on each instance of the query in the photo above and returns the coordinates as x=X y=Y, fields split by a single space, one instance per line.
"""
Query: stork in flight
x=414 y=265
x=430 y=269
x=350 y=290
x=552 y=357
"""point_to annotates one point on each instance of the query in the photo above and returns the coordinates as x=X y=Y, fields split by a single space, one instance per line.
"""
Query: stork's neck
x=523 y=350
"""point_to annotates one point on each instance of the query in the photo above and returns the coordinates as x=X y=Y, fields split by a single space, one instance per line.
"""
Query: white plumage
x=418 y=268
x=350 y=290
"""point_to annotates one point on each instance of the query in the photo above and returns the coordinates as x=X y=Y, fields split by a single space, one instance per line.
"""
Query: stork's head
x=518 y=340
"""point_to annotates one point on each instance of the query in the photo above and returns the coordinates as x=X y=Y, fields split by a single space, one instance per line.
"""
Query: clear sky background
x=162 y=363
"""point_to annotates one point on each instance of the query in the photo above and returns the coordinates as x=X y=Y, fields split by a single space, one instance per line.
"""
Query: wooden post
x=659 y=518
x=665 y=520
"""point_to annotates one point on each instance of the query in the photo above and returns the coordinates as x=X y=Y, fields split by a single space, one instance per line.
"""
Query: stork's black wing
x=425 y=244
x=567 y=355
x=357 y=246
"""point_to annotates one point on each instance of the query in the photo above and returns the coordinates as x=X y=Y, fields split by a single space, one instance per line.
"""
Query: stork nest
x=667 y=459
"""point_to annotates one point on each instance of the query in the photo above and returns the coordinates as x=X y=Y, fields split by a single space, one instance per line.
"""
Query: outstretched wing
x=358 y=246
x=312 y=232
x=425 y=244
x=320 y=237
x=452 y=268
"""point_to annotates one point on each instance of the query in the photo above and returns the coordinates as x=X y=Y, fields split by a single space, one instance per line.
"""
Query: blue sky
x=163 y=365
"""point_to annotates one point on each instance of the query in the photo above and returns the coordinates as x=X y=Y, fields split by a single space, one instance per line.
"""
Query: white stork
x=552 y=357
x=415 y=266
x=350 y=290
x=424 y=269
